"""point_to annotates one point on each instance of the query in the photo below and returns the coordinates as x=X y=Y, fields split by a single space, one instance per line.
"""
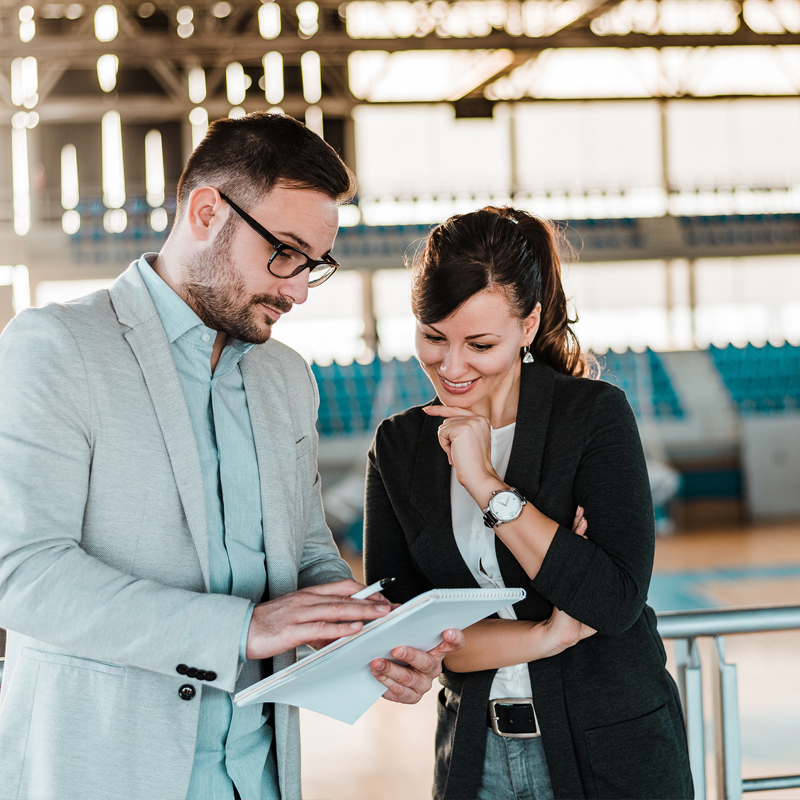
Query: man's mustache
x=278 y=303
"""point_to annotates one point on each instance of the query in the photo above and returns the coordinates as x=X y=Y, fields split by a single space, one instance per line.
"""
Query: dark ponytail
x=500 y=248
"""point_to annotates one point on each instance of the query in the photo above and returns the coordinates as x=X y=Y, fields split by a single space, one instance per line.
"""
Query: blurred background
x=662 y=135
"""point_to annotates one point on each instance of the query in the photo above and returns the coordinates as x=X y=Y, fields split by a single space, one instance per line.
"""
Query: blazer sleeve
x=603 y=580
x=321 y=562
x=50 y=588
x=386 y=552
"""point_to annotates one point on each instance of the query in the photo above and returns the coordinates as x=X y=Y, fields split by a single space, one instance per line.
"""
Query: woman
x=479 y=489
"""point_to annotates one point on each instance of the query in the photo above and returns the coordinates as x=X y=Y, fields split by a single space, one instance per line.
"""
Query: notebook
x=336 y=680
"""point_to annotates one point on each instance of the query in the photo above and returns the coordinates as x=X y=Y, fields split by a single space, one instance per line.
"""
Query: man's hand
x=407 y=684
x=314 y=616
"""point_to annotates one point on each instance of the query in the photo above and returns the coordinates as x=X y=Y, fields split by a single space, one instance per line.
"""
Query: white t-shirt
x=476 y=544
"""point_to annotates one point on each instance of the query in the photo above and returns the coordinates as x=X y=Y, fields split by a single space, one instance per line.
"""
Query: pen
x=370 y=590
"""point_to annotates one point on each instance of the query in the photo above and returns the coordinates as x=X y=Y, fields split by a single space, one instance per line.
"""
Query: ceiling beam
x=249 y=48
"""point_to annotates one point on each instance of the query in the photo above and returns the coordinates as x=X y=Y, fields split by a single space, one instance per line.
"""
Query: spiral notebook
x=336 y=680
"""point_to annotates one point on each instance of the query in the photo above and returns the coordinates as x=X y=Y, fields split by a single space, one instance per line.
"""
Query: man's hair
x=246 y=158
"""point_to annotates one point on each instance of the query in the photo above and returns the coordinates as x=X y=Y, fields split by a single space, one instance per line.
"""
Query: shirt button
x=206 y=337
x=186 y=692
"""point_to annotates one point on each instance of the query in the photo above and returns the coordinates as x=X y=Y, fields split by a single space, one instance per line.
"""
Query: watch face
x=505 y=506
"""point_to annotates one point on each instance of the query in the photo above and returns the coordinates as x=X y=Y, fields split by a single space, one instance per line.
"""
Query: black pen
x=370 y=590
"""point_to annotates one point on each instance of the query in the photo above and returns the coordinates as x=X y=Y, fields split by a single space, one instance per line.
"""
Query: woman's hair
x=500 y=248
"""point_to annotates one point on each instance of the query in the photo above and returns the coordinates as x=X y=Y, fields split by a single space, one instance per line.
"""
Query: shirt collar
x=175 y=315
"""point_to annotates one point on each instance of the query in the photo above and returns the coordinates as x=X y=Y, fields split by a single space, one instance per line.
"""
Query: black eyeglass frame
x=278 y=246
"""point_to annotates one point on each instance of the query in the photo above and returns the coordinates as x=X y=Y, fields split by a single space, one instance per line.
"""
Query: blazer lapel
x=537 y=386
x=146 y=337
x=276 y=451
x=435 y=547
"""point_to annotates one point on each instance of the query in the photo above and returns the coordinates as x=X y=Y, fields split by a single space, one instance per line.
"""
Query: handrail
x=684 y=627
x=719 y=622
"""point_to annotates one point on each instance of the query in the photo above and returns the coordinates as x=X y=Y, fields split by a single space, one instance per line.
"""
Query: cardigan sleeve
x=603 y=580
x=386 y=552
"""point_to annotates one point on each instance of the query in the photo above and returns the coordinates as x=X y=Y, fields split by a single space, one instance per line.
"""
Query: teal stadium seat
x=761 y=380
x=356 y=397
x=645 y=382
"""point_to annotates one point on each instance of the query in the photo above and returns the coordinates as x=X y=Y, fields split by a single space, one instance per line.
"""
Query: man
x=160 y=498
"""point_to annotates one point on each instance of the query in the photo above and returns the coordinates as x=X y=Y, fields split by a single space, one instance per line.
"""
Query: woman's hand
x=466 y=437
x=561 y=630
x=580 y=524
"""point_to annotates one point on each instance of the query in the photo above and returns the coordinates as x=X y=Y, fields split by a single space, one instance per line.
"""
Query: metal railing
x=685 y=627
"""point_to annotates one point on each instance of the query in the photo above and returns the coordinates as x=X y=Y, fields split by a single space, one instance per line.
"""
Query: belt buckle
x=514 y=701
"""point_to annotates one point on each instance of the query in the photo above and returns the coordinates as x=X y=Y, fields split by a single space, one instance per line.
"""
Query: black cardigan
x=609 y=711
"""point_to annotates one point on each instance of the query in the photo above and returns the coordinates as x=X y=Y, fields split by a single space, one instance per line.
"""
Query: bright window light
x=237 y=112
x=20 y=174
x=308 y=18
x=269 y=20
x=24 y=82
x=197 y=85
x=106 y=24
x=185 y=15
x=314 y=119
x=221 y=10
x=185 y=30
x=107 y=67
x=70 y=222
x=27 y=25
x=198 y=117
x=21 y=288
x=113 y=171
x=70 y=194
x=154 y=168
x=235 y=80
x=115 y=220
x=273 y=78
x=159 y=219
x=30 y=81
x=312 y=76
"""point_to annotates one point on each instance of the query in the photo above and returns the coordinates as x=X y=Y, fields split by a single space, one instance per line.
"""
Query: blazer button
x=211 y=675
x=187 y=691
x=181 y=669
x=201 y=675
x=191 y=672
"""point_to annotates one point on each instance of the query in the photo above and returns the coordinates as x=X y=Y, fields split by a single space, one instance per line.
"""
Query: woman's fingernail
x=401 y=652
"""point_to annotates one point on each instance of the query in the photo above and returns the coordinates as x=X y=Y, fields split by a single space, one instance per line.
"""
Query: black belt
x=514 y=717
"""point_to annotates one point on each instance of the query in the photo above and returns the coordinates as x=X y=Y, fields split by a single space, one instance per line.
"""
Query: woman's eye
x=482 y=348
x=430 y=338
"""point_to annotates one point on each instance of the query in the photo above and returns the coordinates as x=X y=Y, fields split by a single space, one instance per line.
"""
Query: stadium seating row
x=355 y=397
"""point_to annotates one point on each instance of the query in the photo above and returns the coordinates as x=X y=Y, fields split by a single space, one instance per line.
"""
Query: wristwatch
x=505 y=505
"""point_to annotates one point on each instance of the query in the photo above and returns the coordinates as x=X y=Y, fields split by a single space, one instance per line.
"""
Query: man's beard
x=214 y=290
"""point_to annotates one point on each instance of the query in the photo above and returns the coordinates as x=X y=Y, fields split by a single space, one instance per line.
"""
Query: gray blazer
x=104 y=569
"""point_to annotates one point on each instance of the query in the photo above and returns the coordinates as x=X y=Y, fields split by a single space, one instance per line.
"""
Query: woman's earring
x=527 y=358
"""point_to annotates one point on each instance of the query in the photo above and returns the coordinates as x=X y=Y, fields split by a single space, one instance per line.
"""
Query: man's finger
x=341 y=611
x=343 y=588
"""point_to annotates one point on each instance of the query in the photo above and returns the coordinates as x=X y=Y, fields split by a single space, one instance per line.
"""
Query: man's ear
x=206 y=213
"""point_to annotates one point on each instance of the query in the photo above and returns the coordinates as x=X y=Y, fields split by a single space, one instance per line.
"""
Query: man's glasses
x=287 y=261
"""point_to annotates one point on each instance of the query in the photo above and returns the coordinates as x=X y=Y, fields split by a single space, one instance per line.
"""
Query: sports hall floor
x=388 y=753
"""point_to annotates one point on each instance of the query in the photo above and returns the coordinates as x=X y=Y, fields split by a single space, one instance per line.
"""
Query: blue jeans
x=514 y=769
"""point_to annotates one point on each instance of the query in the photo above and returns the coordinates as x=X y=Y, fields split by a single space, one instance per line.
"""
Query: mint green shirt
x=234 y=745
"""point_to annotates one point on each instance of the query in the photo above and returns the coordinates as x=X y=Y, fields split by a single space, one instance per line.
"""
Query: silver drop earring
x=527 y=358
